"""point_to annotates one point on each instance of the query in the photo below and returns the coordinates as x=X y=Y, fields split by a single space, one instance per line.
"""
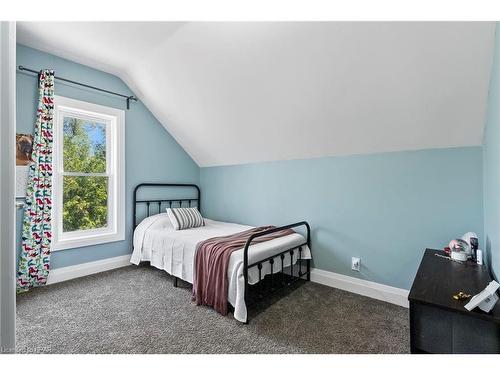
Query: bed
x=282 y=261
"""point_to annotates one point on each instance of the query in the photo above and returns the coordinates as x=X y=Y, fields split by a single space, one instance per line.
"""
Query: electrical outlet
x=355 y=264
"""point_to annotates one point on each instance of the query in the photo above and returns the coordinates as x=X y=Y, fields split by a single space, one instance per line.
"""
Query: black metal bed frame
x=286 y=280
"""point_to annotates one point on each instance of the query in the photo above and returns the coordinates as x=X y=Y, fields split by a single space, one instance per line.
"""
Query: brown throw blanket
x=210 y=283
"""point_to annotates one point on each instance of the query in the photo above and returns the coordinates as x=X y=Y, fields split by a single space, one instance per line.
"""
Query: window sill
x=74 y=243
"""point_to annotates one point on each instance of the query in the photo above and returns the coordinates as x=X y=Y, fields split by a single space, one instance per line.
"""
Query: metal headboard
x=165 y=202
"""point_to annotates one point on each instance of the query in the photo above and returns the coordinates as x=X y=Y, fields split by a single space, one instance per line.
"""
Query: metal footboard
x=280 y=257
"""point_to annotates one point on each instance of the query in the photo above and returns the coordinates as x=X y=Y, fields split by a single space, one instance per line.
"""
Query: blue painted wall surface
x=491 y=164
x=385 y=208
x=151 y=153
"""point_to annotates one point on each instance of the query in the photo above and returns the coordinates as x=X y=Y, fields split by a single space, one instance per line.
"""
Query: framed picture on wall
x=24 y=145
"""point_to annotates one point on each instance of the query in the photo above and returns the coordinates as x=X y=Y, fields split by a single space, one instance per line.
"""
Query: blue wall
x=151 y=153
x=385 y=208
x=491 y=166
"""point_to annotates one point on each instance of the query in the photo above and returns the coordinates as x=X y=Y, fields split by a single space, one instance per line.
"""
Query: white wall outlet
x=355 y=264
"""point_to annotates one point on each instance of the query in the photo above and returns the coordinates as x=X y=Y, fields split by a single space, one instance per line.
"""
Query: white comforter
x=156 y=241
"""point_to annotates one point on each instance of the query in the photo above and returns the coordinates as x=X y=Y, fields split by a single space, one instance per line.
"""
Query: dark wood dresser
x=441 y=324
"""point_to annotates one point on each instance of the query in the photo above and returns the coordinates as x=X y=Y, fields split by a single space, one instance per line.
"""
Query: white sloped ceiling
x=233 y=93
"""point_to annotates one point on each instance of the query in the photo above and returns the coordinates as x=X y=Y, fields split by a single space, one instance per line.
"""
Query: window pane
x=85 y=203
x=84 y=145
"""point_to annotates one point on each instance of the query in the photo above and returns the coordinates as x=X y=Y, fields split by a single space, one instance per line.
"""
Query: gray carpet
x=137 y=310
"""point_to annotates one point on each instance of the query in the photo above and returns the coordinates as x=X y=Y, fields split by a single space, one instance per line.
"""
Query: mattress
x=156 y=241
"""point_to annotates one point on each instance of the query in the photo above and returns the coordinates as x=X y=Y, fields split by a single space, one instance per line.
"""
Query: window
x=89 y=177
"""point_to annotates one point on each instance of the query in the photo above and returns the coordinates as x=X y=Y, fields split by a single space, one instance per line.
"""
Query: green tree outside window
x=85 y=183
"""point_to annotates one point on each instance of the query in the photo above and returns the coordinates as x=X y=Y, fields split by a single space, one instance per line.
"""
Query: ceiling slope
x=233 y=93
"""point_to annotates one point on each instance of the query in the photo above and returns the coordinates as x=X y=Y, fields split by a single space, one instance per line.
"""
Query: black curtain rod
x=128 y=97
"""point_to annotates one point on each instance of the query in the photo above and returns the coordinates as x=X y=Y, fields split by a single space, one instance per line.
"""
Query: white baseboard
x=72 y=272
x=366 y=288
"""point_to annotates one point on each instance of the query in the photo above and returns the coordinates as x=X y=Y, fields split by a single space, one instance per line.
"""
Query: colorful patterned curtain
x=34 y=262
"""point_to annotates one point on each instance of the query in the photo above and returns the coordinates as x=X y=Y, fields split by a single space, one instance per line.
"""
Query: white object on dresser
x=479 y=256
x=485 y=299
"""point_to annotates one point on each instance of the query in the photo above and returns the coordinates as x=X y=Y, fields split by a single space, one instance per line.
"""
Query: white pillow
x=185 y=217
x=163 y=222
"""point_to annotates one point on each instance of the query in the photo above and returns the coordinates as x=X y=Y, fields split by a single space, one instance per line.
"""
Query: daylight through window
x=88 y=178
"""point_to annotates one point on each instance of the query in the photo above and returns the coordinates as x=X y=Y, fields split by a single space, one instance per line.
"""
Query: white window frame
x=115 y=171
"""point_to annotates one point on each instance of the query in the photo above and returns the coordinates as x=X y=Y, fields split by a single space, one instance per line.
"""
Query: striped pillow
x=185 y=218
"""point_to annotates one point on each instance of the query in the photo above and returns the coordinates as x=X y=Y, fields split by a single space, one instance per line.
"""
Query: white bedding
x=156 y=241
